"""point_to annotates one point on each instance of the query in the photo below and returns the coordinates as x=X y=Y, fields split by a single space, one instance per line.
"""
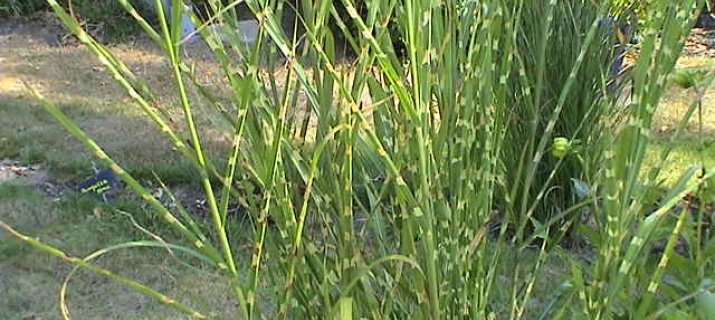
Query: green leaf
x=676 y=314
x=688 y=77
x=705 y=300
x=345 y=307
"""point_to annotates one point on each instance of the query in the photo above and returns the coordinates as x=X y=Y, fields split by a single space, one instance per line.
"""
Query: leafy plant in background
x=408 y=185
x=107 y=17
x=565 y=86
x=10 y=8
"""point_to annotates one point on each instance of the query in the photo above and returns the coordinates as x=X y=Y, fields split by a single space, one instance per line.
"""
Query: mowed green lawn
x=69 y=76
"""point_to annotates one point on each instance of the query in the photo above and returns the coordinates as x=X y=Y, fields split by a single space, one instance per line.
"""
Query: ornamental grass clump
x=566 y=83
x=412 y=186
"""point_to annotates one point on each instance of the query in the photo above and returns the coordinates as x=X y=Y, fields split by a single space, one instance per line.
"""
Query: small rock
x=706 y=21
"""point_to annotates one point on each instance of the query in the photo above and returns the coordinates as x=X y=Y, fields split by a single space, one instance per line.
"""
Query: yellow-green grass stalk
x=171 y=43
x=621 y=190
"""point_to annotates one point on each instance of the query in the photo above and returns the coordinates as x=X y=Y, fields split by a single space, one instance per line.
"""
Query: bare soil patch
x=700 y=43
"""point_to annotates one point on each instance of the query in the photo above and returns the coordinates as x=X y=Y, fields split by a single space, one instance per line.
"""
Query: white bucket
x=187 y=27
x=247 y=30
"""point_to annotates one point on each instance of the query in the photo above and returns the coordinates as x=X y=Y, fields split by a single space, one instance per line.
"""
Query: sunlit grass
x=686 y=152
x=695 y=145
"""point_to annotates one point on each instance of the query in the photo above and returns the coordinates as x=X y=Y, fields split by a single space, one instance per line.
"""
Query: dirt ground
x=700 y=43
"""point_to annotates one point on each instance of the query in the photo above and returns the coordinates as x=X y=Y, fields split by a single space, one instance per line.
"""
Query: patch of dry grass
x=676 y=102
x=73 y=79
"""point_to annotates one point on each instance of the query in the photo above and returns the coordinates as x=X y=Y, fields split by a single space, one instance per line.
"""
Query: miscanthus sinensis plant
x=408 y=185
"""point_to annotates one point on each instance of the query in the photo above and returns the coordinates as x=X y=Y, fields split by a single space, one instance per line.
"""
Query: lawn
x=45 y=204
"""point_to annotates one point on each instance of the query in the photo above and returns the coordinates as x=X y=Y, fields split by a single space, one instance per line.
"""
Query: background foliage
x=105 y=17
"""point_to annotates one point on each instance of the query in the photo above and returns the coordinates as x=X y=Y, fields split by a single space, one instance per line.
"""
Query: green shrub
x=106 y=17
x=21 y=8
x=114 y=22
x=543 y=108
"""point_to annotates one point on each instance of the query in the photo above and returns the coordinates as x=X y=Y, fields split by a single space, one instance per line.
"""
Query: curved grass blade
x=101 y=271
x=64 y=309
